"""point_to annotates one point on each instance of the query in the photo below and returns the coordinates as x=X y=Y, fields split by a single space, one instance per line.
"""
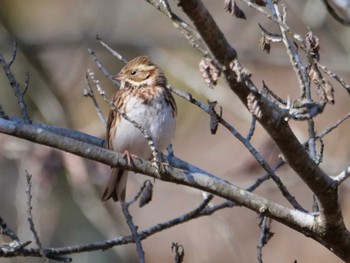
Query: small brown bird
x=145 y=99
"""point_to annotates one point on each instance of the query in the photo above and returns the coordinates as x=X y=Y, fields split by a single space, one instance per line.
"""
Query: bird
x=144 y=98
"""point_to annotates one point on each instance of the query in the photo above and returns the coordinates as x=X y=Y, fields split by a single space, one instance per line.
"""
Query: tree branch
x=330 y=220
x=204 y=181
x=15 y=86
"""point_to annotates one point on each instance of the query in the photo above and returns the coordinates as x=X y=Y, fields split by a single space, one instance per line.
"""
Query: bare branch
x=292 y=52
x=265 y=235
x=88 y=92
x=16 y=88
x=342 y=176
x=133 y=229
x=212 y=184
x=274 y=123
x=15 y=246
x=188 y=32
x=52 y=252
x=113 y=52
x=103 y=69
x=3 y=113
x=26 y=84
x=273 y=17
x=30 y=216
x=336 y=77
x=6 y=231
x=332 y=127
x=14 y=54
x=266 y=89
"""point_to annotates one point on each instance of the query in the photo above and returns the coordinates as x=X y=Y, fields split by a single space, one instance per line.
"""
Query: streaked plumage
x=144 y=98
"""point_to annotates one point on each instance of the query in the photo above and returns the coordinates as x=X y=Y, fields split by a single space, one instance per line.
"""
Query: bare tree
x=324 y=224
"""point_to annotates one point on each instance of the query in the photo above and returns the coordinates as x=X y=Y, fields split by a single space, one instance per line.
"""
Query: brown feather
x=116 y=186
x=139 y=73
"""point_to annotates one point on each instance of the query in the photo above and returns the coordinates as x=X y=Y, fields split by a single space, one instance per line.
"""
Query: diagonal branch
x=133 y=229
x=330 y=219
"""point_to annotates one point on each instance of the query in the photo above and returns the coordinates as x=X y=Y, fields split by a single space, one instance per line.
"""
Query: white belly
x=157 y=120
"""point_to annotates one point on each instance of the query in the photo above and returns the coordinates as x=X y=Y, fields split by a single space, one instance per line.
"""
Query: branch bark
x=330 y=227
x=300 y=221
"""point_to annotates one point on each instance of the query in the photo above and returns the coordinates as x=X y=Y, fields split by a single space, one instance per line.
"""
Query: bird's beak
x=118 y=76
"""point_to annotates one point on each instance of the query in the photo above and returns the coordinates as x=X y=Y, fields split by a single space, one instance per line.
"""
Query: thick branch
x=297 y=220
x=272 y=120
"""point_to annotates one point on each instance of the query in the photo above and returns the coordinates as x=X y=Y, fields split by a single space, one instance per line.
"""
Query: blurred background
x=53 y=37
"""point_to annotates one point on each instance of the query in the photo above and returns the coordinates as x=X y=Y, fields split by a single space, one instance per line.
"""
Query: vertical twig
x=298 y=66
x=15 y=86
x=14 y=54
x=30 y=216
x=252 y=129
x=3 y=113
x=26 y=84
x=133 y=229
x=265 y=235
x=315 y=206
x=88 y=92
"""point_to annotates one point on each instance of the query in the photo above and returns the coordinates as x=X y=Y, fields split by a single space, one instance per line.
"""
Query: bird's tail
x=116 y=187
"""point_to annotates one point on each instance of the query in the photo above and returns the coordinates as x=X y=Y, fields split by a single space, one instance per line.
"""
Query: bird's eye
x=133 y=72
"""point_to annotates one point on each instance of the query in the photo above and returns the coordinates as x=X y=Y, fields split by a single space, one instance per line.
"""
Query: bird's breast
x=154 y=115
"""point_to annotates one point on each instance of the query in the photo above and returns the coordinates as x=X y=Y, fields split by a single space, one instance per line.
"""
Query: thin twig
x=6 y=231
x=88 y=92
x=247 y=144
x=265 y=235
x=14 y=54
x=51 y=252
x=342 y=176
x=332 y=127
x=30 y=216
x=15 y=86
x=112 y=51
x=292 y=52
x=137 y=196
x=26 y=84
x=319 y=157
x=336 y=77
x=252 y=128
x=189 y=32
x=273 y=17
x=133 y=229
x=312 y=139
x=270 y=92
x=315 y=205
x=102 y=68
x=15 y=245
x=3 y=113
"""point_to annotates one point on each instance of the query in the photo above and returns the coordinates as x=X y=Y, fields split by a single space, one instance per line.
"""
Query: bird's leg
x=128 y=156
